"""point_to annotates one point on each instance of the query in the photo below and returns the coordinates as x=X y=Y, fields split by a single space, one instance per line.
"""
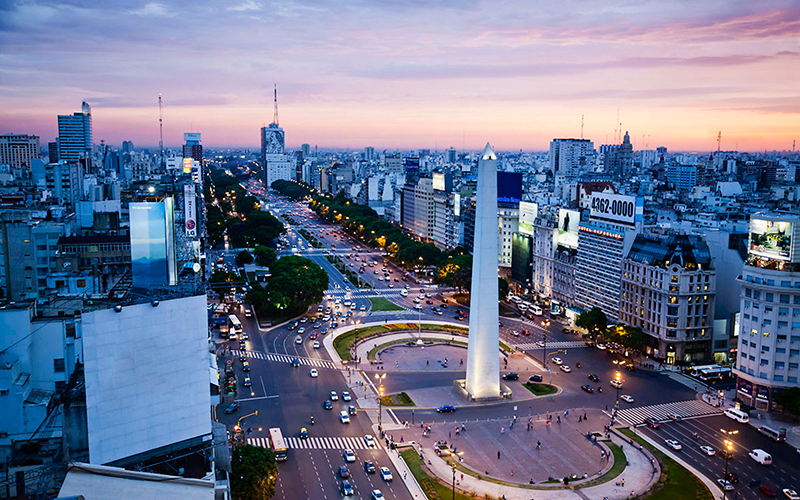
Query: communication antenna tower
x=275 y=114
x=719 y=141
x=161 y=131
x=581 y=126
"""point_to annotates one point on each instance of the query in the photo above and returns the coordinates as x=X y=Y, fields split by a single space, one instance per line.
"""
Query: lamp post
x=545 y=324
x=453 y=468
x=618 y=379
x=729 y=449
x=380 y=378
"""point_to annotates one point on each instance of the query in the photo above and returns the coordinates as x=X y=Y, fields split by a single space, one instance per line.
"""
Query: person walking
x=498 y=454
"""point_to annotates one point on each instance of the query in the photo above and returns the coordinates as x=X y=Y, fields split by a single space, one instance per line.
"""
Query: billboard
x=191 y=136
x=521 y=258
x=527 y=215
x=152 y=244
x=190 y=210
x=617 y=207
x=772 y=239
x=568 y=222
x=509 y=187
x=187 y=165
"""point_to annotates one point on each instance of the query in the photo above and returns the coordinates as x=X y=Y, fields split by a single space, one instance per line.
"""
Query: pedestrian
x=623 y=482
x=558 y=417
x=538 y=445
x=401 y=439
x=566 y=412
x=404 y=475
x=498 y=454
x=463 y=428
x=512 y=472
x=584 y=416
x=580 y=418
x=450 y=435
x=427 y=363
x=502 y=430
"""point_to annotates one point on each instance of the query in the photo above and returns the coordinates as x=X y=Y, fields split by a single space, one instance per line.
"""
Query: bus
x=710 y=372
x=234 y=323
x=278 y=445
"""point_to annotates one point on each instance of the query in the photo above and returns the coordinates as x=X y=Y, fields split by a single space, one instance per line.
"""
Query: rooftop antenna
x=160 y=131
x=794 y=143
x=581 y=126
x=719 y=141
x=275 y=114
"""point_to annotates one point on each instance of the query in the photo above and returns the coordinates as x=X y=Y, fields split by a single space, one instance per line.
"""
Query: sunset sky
x=408 y=73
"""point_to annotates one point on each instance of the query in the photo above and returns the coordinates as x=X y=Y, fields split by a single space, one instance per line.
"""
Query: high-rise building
x=192 y=147
x=618 y=160
x=669 y=291
x=75 y=134
x=277 y=165
x=17 y=150
x=306 y=150
x=683 y=177
x=568 y=157
x=769 y=334
x=451 y=156
x=52 y=151
x=604 y=240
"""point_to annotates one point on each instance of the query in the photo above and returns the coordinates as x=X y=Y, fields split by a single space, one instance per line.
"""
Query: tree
x=265 y=256
x=502 y=288
x=246 y=204
x=296 y=283
x=243 y=258
x=254 y=472
x=594 y=320
x=789 y=399
x=631 y=337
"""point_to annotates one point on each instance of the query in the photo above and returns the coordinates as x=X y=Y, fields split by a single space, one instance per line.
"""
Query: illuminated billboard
x=190 y=210
x=187 y=165
x=568 y=222
x=617 y=207
x=152 y=244
x=771 y=238
x=191 y=136
x=527 y=215
x=509 y=187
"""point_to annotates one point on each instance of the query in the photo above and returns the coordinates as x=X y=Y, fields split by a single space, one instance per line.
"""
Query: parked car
x=511 y=376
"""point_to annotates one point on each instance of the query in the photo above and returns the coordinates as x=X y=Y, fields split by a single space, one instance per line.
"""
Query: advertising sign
x=527 y=215
x=616 y=207
x=149 y=254
x=191 y=136
x=190 y=210
x=509 y=187
x=771 y=239
x=568 y=222
x=187 y=165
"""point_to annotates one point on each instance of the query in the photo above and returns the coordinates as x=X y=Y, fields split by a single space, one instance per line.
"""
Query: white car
x=334 y=396
x=602 y=347
x=344 y=417
x=708 y=450
x=540 y=343
x=347 y=303
x=298 y=340
x=515 y=333
x=626 y=398
x=316 y=344
x=301 y=330
x=369 y=440
x=791 y=494
x=725 y=484
x=565 y=368
x=386 y=474
x=377 y=495
x=673 y=444
x=362 y=308
x=557 y=361
x=314 y=373
x=346 y=396
x=349 y=456
x=616 y=383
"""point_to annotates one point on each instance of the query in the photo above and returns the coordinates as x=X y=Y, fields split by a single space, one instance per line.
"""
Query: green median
x=380 y=304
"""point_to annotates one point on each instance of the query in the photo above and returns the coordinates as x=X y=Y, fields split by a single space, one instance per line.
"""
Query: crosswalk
x=285 y=358
x=363 y=294
x=562 y=344
x=686 y=409
x=317 y=443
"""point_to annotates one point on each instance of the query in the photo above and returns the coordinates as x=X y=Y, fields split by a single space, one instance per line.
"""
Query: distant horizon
x=409 y=75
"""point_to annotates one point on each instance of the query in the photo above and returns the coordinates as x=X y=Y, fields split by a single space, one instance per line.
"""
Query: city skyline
x=409 y=76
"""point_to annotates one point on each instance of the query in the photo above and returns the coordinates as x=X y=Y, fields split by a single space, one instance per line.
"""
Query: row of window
x=777 y=378
x=783 y=298
x=771 y=282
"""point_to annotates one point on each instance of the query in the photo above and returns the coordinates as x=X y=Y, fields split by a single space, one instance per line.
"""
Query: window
x=767 y=322
x=780 y=350
x=764 y=348
x=766 y=334
x=768 y=297
x=781 y=337
x=748 y=292
x=757 y=294
x=58 y=365
x=784 y=298
x=792 y=380
x=81 y=283
x=780 y=365
x=793 y=366
x=778 y=378
x=794 y=352
x=783 y=311
x=60 y=386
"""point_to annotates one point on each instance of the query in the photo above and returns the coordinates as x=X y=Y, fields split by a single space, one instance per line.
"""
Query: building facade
x=17 y=151
x=769 y=334
x=75 y=134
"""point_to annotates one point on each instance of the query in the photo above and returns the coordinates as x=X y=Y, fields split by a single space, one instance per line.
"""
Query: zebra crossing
x=686 y=409
x=316 y=443
x=285 y=358
x=562 y=344
x=363 y=294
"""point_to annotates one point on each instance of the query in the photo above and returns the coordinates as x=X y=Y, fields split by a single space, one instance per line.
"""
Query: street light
x=453 y=467
x=380 y=402
x=729 y=449
x=618 y=379
x=545 y=324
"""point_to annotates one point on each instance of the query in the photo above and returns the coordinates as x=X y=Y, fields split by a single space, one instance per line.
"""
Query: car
x=446 y=409
x=674 y=417
x=791 y=494
x=535 y=378
x=242 y=345
x=313 y=335
x=346 y=396
x=344 y=417
x=242 y=356
x=731 y=476
x=317 y=325
x=594 y=378
x=724 y=453
x=708 y=450
x=565 y=368
x=725 y=484
x=362 y=308
x=245 y=336
x=675 y=445
x=540 y=343
x=327 y=404
x=347 y=488
x=377 y=495
x=316 y=344
x=616 y=383
x=627 y=398
x=334 y=396
x=296 y=364
x=602 y=347
x=768 y=491
x=587 y=388
x=301 y=330
x=557 y=361
x=233 y=407
x=298 y=340
x=515 y=333
x=314 y=373
x=511 y=376
x=348 y=455
x=369 y=440
x=386 y=474
x=303 y=433
x=247 y=382
x=246 y=366
x=652 y=422
x=303 y=320
x=344 y=473
x=369 y=467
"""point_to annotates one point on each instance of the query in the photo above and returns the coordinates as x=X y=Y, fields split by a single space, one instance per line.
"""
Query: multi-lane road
x=286 y=396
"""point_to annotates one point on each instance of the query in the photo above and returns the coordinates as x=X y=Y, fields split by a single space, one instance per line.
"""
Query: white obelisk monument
x=483 y=357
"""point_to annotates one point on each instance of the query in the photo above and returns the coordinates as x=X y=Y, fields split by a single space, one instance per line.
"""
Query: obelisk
x=483 y=357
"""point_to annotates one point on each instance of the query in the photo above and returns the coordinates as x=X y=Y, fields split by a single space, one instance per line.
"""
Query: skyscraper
x=619 y=159
x=568 y=157
x=75 y=134
x=17 y=150
x=192 y=147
